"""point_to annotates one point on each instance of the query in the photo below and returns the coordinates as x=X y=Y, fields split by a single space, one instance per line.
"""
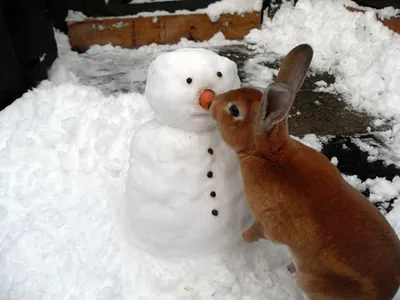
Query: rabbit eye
x=189 y=80
x=234 y=111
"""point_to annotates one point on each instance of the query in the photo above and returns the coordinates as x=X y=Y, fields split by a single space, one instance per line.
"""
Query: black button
x=210 y=174
x=214 y=212
x=213 y=194
x=211 y=151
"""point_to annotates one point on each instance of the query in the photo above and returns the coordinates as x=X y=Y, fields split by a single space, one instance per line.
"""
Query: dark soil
x=353 y=161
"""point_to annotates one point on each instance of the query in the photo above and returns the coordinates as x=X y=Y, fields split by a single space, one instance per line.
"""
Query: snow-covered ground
x=364 y=57
x=65 y=150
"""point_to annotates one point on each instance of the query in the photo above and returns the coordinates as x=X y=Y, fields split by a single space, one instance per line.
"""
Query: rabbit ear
x=278 y=98
x=295 y=66
x=275 y=105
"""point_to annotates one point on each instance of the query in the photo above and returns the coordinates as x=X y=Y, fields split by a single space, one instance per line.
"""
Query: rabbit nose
x=206 y=97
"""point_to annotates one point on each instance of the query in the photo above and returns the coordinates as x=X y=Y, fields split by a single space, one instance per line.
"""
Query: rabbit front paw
x=254 y=233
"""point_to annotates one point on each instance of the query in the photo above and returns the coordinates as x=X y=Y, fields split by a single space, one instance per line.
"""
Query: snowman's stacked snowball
x=176 y=79
x=184 y=191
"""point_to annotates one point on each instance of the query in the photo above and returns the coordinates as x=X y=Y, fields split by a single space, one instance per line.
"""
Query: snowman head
x=175 y=81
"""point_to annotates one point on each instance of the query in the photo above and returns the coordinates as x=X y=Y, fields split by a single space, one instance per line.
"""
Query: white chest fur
x=184 y=192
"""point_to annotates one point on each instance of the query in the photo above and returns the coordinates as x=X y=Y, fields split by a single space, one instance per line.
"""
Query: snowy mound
x=63 y=151
x=64 y=161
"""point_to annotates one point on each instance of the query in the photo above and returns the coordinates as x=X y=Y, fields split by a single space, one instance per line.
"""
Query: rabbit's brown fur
x=341 y=245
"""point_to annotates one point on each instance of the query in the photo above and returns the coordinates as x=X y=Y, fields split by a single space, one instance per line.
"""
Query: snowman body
x=184 y=190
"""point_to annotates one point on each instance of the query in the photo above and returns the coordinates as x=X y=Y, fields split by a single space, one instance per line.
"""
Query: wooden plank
x=193 y=27
x=167 y=29
x=147 y=31
x=117 y=32
x=392 y=24
x=196 y=27
x=235 y=27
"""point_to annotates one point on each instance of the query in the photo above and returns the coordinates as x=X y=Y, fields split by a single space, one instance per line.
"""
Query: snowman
x=184 y=193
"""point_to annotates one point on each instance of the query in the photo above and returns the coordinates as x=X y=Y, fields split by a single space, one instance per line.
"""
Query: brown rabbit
x=341 y=245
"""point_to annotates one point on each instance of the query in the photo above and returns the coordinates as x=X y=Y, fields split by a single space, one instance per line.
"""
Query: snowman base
x=247 y=271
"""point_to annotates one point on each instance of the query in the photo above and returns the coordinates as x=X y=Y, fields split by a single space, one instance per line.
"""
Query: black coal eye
x=234 y=111
x=219 y=74
x=189 y=80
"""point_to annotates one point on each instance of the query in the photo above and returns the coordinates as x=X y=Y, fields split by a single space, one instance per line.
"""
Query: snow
x=176 y=220
x=362 y=54
x=214 y=10
x=63 y=150
x=388 y=12
x=383 y=13
x=394 y=219
x=75 y=16
x=380 y=189
x=174 y=101
x=64 y=165
x=66 y=151
x=310 y=140
x=334 y=161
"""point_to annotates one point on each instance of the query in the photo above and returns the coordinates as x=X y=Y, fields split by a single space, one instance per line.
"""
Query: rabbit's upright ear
x=278 y=97
x=275 y=104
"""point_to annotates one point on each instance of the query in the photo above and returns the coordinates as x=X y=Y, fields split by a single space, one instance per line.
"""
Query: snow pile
x=63 y=148
x=381 y=190
x=393 y=142
x=394 y=219
x=388 y=12
x=363 y=54
x=63 y=172
x=64 y=163
x=214 y=10
x=311 y=140
x=65 y=153
x=75 y=16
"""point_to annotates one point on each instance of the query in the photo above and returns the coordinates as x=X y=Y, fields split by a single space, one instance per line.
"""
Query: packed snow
x=361 y=52
x=64 y=171
x=66 y=158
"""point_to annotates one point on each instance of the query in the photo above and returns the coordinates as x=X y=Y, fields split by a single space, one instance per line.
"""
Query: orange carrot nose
x=206 y=98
